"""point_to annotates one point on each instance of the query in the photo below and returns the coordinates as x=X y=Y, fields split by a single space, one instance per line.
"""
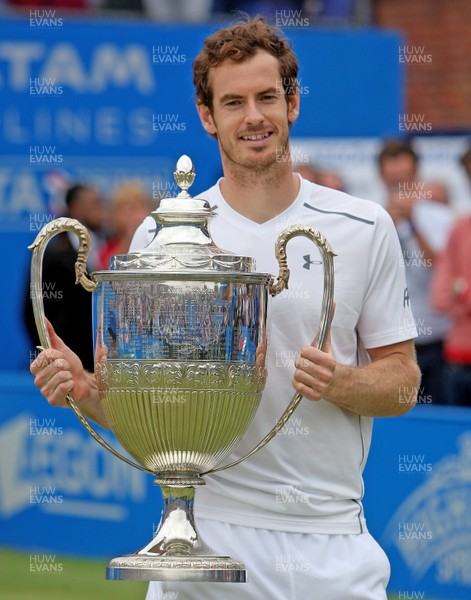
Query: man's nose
x=253 y=115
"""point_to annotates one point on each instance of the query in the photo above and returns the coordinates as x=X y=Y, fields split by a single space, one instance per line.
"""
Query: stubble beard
x=252 y=168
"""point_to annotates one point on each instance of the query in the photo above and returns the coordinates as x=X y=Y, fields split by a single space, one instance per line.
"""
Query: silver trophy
x=180 y=345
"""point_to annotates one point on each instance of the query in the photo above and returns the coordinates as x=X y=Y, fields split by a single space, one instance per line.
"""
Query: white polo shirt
x=309 y=477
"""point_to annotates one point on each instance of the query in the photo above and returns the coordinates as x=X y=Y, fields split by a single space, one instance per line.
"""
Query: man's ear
x=293 y=107
x=206 y=118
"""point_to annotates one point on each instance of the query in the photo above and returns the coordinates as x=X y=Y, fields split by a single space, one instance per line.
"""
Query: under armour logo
x=406 y=298
x=309 y=262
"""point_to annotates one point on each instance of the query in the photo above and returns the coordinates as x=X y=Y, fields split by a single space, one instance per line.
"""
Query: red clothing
x=108 y=250
x=35 y=4
x=451 y=291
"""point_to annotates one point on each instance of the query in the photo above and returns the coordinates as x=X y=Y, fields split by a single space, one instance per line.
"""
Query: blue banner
x=418 y=499
x=61 y=491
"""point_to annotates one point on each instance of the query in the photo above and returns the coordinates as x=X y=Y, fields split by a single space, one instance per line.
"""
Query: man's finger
x=56 y=341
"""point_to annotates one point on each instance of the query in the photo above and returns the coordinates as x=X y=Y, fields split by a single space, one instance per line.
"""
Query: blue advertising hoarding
x=61 y=491
x=418 y=499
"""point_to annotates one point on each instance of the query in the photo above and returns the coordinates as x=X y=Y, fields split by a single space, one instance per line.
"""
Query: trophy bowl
x=178 y=374
x=180 y=346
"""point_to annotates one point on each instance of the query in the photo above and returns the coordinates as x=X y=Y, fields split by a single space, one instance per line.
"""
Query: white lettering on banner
x=122 y=67
x=432 y=527
x=72 y=464
x=111 y=65
x=18 y=57
x=13 y=130
x=19 y=193
x=107 y=126
x=65 y=66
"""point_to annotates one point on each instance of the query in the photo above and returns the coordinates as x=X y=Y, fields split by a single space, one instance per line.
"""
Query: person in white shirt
x=423 y=223
x=293 y=512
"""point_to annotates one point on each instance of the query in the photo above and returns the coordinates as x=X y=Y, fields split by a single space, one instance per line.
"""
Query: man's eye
x=269 y=97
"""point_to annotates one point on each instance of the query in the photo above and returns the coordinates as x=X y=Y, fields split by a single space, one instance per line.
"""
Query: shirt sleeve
x=386 y=317
x=144 y=234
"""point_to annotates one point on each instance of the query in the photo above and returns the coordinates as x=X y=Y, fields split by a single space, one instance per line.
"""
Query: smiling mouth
x=256 y=137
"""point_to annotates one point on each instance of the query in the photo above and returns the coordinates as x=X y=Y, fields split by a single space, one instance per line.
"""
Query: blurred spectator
x=267 y=8
x=128 y=208
x=178 y=10
x=49 y=4
x=331 y=180
x=451 y=294
x=326 y=178
x=437 y=191
x=422 y=226
x=308 y=171
x=128 y=6
x=466 y=163
x=67 y=305
x=286 y=13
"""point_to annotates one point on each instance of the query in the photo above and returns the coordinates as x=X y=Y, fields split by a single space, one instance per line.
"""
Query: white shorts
x=288 y=566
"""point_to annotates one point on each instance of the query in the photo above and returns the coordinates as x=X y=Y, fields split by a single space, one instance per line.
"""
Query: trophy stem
x=177 y=552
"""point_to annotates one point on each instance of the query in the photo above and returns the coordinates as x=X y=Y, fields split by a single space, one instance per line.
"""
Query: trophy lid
x=182 y=241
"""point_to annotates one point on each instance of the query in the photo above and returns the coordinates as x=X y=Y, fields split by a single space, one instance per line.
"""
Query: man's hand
x=59 y=371
x=314 y=371
x=400 y=208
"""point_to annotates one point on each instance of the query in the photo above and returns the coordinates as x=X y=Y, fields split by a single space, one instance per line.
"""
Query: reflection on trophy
x=180 y=330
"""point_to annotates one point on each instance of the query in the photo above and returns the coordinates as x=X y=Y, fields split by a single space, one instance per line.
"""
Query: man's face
x=250 y=114
x=88 y=209
x=398 y=170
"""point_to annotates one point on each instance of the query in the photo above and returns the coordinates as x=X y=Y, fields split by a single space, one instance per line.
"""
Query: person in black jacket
x=66 y=305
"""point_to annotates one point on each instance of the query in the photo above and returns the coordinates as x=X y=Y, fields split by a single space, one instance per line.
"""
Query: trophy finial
x=184 y=175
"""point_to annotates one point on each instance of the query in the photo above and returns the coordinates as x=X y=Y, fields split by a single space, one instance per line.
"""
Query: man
x=293 y=511
x=422 y=223
x=65 y=303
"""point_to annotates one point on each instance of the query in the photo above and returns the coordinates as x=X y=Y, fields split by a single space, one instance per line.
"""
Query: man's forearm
x=386 y=387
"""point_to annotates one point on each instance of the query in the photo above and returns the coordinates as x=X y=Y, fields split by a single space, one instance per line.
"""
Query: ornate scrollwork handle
x=326 y=313
x=38 y=247
x=327 y=259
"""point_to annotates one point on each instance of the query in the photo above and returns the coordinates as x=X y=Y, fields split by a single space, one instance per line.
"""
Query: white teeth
x=260 y=136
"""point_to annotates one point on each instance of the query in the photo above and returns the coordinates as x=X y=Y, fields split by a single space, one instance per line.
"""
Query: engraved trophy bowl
x=180 y=344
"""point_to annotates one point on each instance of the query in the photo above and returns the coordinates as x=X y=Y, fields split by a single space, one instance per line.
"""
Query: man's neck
x=260 y=196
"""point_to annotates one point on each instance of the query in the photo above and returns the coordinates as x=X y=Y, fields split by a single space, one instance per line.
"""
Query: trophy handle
x=89 y=284
x=326 y=313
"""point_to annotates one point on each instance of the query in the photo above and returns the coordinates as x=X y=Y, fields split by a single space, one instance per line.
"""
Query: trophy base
x=177 y=552
x=139 y=567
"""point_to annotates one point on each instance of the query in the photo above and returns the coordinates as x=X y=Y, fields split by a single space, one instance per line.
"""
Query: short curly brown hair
x=392 y=148
x=238 y=43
